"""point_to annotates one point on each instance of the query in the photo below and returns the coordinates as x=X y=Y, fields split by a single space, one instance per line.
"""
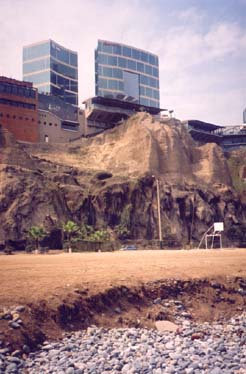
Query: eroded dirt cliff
x=107 y=179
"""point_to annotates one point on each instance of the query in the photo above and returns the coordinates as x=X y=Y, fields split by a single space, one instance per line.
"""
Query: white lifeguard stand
x=213 y=232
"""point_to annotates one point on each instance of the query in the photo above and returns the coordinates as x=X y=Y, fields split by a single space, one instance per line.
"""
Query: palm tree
x=36 y=233
x=70 y=228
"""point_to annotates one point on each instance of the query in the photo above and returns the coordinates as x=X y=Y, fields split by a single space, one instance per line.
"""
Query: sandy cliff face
x=96 y=181
x=143 y=145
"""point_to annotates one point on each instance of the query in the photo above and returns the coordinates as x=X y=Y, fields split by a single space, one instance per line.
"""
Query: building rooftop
x=51 y=41
x=16 y=82
x=107 y=42
x=124 y=104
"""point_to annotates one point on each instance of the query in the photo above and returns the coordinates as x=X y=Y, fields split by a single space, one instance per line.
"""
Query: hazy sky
x=201 y=45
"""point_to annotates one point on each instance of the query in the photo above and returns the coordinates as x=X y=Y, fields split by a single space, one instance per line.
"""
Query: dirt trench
x=198 y=300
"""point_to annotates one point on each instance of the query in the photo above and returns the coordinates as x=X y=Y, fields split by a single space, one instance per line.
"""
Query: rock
x=26 y=349
x=15 y=316
x=14 y=325
x=169 y=345
x=163 y=147
x=141 y=351
x=157 y=301
x=197 y=335
x=20 y=309
x=166 y=326
x=11 y=368
x=16 y=353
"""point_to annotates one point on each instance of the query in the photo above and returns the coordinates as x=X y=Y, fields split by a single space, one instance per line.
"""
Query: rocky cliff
x=107 y=181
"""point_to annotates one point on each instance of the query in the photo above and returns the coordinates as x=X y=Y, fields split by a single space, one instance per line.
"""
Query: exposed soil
x=67 y=292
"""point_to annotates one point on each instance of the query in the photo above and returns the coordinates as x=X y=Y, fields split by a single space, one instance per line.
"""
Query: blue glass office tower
x=52 y=69
x=127 y=73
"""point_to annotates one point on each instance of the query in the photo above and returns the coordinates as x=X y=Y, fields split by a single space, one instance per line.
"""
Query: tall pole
x=159 y=210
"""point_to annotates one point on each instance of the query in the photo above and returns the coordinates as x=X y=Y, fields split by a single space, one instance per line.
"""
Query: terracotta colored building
x=19 y=109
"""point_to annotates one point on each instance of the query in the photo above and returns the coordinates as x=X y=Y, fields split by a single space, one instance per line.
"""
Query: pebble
x=217 y=349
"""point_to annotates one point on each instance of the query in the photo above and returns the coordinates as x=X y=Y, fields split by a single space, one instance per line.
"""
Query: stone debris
x=208 y=348
x=166 y=326
x=13 y=316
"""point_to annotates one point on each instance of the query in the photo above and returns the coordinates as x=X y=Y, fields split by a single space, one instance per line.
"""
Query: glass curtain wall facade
x=53 y=69
x=127 y=73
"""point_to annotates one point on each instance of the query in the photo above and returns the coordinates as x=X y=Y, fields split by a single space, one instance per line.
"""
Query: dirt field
x=64 y=292
x=28 y=278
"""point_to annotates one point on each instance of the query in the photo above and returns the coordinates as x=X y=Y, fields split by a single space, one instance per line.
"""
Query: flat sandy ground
x=28 y=277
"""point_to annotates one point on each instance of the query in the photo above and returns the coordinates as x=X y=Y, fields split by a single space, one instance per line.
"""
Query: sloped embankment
x=173 y=300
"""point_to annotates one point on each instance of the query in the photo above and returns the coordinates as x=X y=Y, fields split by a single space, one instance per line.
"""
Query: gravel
x=218 y=348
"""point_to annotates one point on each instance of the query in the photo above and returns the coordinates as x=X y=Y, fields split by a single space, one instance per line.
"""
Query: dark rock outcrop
x=108 y=180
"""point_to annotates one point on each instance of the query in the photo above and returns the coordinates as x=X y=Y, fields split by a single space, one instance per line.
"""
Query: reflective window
x=152 y=82
x=131 y=64
x=30 y=67
x=108 y=48
x=17 y=104
x=127 y=51
x=73 y=59
x=103 y=83
x=131 y=84
x=151 y=59
x=148 y=69
x=36 y=51
x=148 y=91
x=112 y=60
x=99 y=70
x=53 y=78
x=156 y=94
x=144 y=101
x=117 y=49
x=56 y=91
x=122 y=62
x=112 y=84
x=140 y=67
x=107 y=72
x=64 y=69
x=153 y=103
x=126 y=81
x=142 y=91
x=63 y=82
x=59 y=53
x=39 y=77
x=144 y=57
x=136 y=54
x=73 y=86
x=144 y=80
x=121 y=86
x=103 y=59
x=117 y=73
x=155 y=72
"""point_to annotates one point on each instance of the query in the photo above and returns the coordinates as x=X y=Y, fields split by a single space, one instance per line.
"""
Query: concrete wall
x=50 y=129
